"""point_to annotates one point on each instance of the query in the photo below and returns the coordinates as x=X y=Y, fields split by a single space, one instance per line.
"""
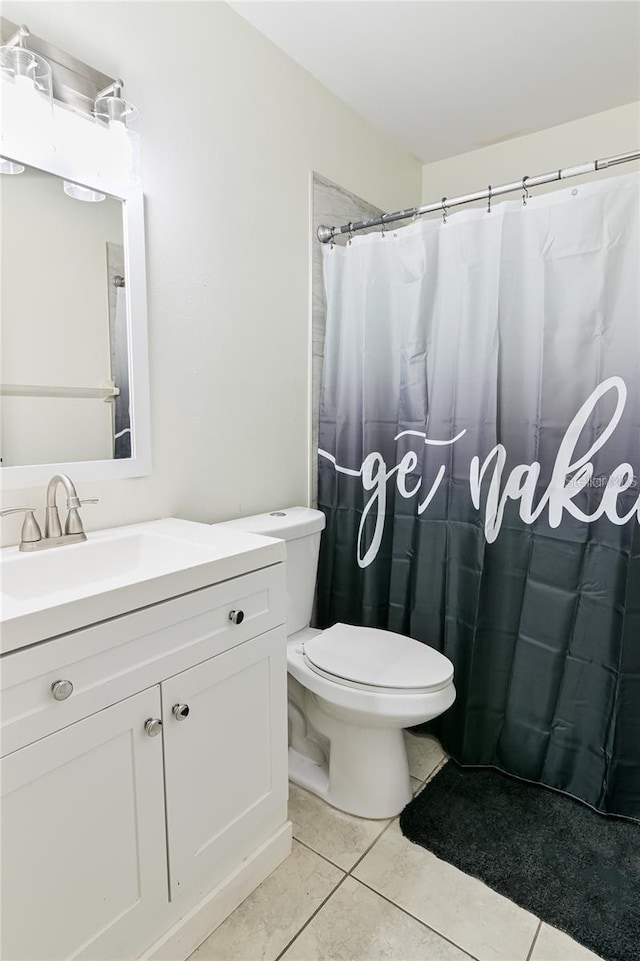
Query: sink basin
x=96 y=565
x=51 y=592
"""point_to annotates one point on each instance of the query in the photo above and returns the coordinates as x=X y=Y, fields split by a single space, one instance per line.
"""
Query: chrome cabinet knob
x=236 y=616
x=61 y=690
x=153 y=726
x=180 y=711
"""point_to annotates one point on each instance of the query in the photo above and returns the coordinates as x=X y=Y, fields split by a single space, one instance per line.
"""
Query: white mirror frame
x=61 y=163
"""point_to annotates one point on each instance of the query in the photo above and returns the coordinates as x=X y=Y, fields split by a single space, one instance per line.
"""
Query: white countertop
x=61 y=589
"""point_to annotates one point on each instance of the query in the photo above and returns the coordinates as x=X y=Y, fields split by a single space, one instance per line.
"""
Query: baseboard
x=196 y=925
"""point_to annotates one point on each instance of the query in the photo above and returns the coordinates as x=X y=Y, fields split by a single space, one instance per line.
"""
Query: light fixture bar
x=75 y=83
x=113 y=90
x=19 y=37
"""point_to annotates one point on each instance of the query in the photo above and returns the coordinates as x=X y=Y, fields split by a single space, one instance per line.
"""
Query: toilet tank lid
x=288 y=524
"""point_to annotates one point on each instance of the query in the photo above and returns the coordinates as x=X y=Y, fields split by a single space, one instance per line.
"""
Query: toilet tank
x=301 y=528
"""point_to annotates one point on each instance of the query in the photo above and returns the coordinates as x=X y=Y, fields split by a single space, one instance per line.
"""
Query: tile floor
x=355 y=890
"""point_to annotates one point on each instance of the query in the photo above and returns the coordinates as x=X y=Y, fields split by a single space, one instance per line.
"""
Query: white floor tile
x=339 y=837
x=424 y=753
x=262 y=926
x=462 y=908
x=357 y=925
x=554 y=945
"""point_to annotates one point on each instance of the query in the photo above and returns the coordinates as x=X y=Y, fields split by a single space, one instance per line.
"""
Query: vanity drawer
x=116 y=658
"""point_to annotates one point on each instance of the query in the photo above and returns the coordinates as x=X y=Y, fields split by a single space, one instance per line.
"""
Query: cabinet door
x=83 y=838
x=226 y=761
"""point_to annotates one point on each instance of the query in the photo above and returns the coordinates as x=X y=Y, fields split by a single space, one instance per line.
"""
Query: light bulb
x=82 y=193
x=9 y=167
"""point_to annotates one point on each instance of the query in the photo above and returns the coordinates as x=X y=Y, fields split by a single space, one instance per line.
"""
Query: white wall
x=601 y=135
x=54 y=318
x=231 y=130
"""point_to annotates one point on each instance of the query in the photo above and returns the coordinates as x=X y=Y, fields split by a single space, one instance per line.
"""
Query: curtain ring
x=489 y=205
x=444 y=210
x=525 y=190
x=384 y=231
x=350 y=235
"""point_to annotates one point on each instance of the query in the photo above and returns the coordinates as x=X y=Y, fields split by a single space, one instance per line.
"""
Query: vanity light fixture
x=121 y=118
x=98 y=136
x=10 y=167
x=82 y=193
x=23 y=67
x=27 y=101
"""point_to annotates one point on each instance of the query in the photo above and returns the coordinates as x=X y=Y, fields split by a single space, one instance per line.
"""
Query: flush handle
x=237 y=617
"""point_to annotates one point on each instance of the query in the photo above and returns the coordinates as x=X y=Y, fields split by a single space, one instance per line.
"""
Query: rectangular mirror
x=74 y=390
x=64 y=365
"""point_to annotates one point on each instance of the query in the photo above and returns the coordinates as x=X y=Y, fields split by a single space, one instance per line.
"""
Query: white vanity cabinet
x=142 y=808
x=83 y=854
x=226 y=768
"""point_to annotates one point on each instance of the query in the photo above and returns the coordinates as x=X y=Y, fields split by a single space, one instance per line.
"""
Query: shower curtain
x=479 y=469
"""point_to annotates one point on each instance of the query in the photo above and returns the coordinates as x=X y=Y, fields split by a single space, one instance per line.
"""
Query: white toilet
x=351 y=689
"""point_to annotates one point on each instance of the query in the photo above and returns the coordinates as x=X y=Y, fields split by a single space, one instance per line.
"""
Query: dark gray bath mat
x=574 y=868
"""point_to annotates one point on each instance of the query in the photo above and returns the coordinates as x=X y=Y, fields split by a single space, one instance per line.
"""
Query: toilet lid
x=366 y=655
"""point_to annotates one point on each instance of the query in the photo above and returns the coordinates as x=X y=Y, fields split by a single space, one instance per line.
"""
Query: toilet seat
x=374 y=660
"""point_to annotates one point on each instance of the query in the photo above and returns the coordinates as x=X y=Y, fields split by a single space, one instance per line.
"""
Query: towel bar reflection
x=108 y=392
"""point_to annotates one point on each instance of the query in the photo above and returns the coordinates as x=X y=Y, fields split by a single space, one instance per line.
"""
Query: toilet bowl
x=351 y=690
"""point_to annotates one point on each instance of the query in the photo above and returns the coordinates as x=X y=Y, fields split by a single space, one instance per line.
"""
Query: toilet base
x=367 y=772
x=309 y=775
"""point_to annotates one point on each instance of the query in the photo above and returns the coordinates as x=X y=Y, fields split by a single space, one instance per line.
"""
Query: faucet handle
x=30 y=529
x=73 y=524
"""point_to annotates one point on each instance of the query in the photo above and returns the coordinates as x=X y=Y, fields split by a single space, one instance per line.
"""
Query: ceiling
x=441 y=77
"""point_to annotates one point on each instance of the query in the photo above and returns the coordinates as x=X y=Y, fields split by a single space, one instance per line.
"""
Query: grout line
x=312 y=916
x=357 y=862
x=533 y=943
x=410 y=915
x=436 y=770
x=323 y=856
x=373 y=843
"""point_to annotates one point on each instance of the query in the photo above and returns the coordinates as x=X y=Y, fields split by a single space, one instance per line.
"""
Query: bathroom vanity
x=144 y=739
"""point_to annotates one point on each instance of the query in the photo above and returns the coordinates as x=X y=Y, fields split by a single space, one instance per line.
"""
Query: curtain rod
x=325 y=234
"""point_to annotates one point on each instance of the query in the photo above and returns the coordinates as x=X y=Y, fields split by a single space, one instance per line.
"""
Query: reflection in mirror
x=64 y=366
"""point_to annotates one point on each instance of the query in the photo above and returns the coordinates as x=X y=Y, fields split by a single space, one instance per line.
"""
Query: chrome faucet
x=31 y=538
x=52 y=527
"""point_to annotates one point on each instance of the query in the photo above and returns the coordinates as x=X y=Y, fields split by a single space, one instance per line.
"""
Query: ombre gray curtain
x=478 y=466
